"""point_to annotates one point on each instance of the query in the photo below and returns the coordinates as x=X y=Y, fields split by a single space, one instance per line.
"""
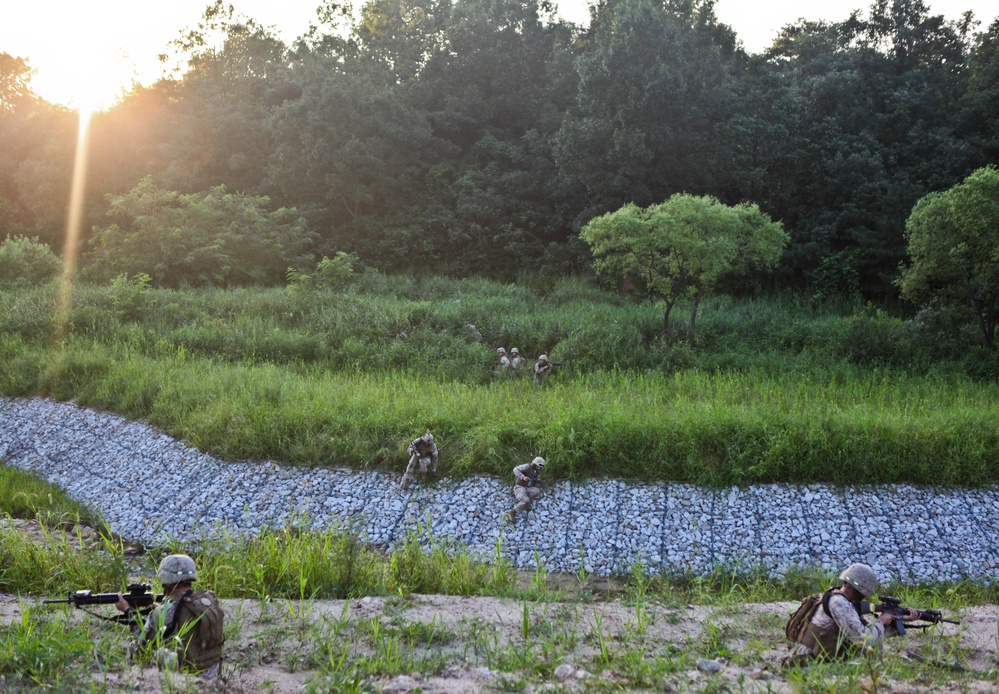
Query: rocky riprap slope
x=149 y=486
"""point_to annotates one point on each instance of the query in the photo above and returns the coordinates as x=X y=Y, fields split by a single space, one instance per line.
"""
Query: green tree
x=15 y=83
x=208 y=238
x=683 y=248
x=652 y=104
x=953 y=239
x=25 y=262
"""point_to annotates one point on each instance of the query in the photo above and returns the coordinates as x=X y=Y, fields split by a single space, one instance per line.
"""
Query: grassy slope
x=776 y=390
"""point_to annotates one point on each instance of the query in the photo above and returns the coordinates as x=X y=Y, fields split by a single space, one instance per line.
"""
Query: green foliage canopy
x=683 y=247
x=209 y=238
x=25 y=262
x=954 y=249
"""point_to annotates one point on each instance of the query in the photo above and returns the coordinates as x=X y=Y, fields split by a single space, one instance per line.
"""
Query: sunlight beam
x=74 y=224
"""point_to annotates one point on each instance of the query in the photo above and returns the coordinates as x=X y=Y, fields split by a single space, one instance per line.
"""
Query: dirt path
x=435 y=643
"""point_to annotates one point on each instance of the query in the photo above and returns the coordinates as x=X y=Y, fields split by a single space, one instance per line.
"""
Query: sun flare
x=86 y=81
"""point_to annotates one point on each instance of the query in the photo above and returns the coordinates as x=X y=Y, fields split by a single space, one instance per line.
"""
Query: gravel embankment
x=149 y=486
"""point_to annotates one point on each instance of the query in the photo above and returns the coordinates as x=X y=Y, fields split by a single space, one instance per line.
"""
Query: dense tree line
x=464 y=136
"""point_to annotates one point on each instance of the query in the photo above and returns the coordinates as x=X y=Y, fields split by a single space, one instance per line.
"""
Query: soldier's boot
x=512 y=516
x=405 y=484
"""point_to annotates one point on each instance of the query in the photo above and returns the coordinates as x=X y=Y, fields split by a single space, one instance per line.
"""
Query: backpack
x=199 y=622
x=799 y=620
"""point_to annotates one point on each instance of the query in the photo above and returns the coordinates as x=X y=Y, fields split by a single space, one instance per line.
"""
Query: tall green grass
x=777 y=390
x=716 y=428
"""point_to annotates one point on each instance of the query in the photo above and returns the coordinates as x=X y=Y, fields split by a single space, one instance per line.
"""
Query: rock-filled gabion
x=150 y=487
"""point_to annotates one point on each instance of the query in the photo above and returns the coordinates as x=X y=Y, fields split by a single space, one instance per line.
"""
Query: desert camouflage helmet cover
x=176 y=568
x=543 y=357
x=539 y=461
x=514 y=351
x=861 y=577
x=428 y=438
x=500 y=350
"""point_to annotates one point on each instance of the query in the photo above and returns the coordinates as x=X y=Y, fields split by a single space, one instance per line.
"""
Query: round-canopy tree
x=683 y=247
x=953 y=241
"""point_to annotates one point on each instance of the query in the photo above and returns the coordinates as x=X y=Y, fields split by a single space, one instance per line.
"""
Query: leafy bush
x=330 y=273
x=207 y=238
x=26 y=262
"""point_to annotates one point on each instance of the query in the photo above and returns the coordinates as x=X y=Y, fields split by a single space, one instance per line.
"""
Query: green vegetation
x=26 y=262
x=215 y=238
x=22 y=495
x=635 y=631
x=683 y=248
x=776 y=390
x=954 y=247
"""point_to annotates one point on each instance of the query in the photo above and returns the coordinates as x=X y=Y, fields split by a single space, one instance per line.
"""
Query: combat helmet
x=428 y=438
x=176 y=568
x=500 y=350
x=861 y=577
x=539 y=461
x=543 y=357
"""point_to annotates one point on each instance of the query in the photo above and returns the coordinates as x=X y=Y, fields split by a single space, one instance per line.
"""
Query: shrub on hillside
x=209 y=238
x=26 y=262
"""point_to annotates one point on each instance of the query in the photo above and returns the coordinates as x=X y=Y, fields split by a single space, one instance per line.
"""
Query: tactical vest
x=821 y=641
x=198 y=623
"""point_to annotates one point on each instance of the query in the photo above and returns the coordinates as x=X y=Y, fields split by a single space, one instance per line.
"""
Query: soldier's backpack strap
x=171 y=630
x=829 y=593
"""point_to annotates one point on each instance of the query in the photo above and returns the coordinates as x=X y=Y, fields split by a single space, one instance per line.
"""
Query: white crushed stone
x=150 y=487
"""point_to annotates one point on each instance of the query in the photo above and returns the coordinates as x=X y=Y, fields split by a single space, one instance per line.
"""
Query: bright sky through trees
x=86 y=53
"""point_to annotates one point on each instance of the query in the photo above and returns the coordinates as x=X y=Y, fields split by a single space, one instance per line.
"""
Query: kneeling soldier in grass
x=186 y=629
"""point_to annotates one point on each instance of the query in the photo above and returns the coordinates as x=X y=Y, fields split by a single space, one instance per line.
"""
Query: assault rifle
x=893 y=606
x=138 y=596
x=533 y=479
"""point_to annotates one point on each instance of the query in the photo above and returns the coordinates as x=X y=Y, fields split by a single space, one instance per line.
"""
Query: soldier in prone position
x=422 y=451
x=836 y=629
x=525 y=488
x=186 y=628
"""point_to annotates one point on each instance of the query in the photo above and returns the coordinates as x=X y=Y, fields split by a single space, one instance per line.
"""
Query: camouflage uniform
x=524 y=493
x=840 y=634
x=541 y=370
x=502 y=362
x=186 y=629
x=157 y=631
x=517 y=361
x=423 y=452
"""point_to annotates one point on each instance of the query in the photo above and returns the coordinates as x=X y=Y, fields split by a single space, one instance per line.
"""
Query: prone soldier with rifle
x=831 y=625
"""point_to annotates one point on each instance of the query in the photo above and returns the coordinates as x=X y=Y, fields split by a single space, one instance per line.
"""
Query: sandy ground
x=268 y=652
x=455 y=644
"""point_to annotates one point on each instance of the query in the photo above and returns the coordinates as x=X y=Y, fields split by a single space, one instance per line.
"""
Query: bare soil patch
x=275 y=646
